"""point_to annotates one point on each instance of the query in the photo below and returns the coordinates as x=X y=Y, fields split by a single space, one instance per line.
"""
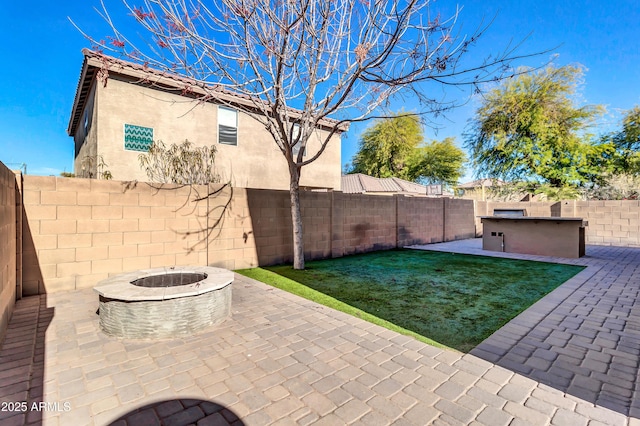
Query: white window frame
x=228 y=109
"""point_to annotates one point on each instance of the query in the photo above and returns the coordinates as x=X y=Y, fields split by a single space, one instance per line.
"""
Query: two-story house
x=120 y=108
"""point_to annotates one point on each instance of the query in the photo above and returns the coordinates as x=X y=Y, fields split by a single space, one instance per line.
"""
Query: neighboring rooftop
x=357 y=183
x=487 y=183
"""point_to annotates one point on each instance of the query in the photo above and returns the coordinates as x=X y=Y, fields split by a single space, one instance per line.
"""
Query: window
x=85 y=123
x=227 y=126
x=137 y=138
x=296 y=149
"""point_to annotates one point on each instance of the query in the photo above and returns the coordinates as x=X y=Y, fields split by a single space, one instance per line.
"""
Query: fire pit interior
x=164 y=302
x=169 y=280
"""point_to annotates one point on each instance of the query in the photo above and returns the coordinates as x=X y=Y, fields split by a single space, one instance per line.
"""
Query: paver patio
x=571 y=359
x=583 y=338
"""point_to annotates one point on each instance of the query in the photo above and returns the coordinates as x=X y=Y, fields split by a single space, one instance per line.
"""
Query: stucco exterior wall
x=7 y=247
x=255 y=162
x=476 y=194
x=558 y=238
x=533 y=208
x=86 y=140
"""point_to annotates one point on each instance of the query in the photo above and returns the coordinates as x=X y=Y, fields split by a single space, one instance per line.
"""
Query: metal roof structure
x=487 y=183
x=358 y=183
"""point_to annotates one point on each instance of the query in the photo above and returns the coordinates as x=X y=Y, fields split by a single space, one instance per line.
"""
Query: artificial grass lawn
x=455 y=299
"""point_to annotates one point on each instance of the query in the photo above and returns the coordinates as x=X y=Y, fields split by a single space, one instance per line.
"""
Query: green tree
x=386 y=147
x=395 y=147
x=627 y=143
x=621 y=161
x=530 y=129
x=437 y=162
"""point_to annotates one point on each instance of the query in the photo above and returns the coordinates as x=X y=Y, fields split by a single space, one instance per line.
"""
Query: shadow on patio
x=283 y=359
x=22 y=362
x=179 y=412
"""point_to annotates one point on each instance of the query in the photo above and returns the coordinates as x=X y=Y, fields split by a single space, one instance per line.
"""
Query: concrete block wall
x=8 y=249
x=364 y=223
x=338 y=224
x=224 y=216
x=610 y=222
x=614 y=222
x=270 y=218
x=79 y=231
x=335 y=224
x=75 y=232
x=420 y=220
x=316 y=221
x=459 y=220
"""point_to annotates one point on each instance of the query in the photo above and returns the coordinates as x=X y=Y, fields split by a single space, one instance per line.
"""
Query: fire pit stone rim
x=119 y=286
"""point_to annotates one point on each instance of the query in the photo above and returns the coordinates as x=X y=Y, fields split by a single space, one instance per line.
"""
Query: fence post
x=330 y=224
x=444 y=219
x=396 y=221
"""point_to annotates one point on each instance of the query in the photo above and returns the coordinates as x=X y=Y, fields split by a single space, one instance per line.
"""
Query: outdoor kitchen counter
x=545 y=236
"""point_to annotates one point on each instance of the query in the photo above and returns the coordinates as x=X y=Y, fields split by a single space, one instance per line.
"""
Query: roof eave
x=93 y=61
x=79 y=99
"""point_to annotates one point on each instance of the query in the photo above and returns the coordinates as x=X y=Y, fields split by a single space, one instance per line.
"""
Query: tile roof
x=95 y=62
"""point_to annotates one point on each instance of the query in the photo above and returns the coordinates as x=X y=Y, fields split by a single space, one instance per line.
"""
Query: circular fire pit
x=164 y=302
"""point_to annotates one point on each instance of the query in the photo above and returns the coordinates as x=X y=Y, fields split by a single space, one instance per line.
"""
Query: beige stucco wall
x=476 y=194
x=255 y=162
x=542 y=237
x=86 y=145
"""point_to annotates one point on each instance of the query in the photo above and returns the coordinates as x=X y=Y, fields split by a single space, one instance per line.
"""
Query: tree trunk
x=296 y=217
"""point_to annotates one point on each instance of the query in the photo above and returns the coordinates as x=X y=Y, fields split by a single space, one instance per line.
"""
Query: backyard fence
x=64 y=233
x=76 y=232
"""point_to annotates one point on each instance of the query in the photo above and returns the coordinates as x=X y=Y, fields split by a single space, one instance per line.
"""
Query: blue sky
x=42 y=59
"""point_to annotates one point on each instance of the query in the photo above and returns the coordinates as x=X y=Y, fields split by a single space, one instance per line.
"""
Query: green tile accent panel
x=137 y=138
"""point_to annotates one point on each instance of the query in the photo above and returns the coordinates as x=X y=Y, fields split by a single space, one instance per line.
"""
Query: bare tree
x=307 y=64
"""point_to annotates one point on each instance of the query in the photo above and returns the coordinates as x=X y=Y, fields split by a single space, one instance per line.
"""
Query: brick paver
x=570 y=359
